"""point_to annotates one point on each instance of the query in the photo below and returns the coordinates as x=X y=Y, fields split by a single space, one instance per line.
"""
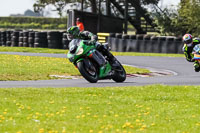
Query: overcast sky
x=8 y=7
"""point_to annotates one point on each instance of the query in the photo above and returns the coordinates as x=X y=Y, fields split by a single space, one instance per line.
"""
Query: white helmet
x=187 y=39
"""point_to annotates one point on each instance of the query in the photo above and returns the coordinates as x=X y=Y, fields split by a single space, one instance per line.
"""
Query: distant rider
x=73 y=32
x=189 y=44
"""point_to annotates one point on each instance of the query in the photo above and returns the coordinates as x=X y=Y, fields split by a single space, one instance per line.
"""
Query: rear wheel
x=88 y=71
x=119 y=73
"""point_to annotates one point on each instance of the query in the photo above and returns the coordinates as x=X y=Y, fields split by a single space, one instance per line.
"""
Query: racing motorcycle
x=92 y=64
x=196 y=52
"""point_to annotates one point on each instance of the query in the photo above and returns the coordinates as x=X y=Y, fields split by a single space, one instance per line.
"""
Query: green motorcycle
x=92 y=64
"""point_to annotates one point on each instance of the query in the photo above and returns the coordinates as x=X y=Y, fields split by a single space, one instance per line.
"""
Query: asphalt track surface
x=178 y=70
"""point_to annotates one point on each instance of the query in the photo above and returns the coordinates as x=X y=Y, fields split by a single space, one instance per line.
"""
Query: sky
x=8 y=7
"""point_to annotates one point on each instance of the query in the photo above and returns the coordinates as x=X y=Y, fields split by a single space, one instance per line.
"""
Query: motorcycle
x=196 y=52
x=92 y=64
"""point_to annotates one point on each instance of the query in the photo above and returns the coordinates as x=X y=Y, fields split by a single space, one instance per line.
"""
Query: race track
x=180 y=72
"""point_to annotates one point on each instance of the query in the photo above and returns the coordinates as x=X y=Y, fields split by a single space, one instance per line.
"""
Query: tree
x=166 y=19
x=58 y=4
x=188 y=17
x=147 y=2
x=94 y=6
x=185 y=19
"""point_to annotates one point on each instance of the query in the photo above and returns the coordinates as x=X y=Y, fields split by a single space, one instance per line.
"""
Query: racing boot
x=196 y=66
x=112 y=60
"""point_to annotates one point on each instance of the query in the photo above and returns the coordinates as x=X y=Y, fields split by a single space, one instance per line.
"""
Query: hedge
x=33 y=22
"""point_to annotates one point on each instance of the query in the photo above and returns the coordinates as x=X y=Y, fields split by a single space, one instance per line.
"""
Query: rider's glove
x=92 y=42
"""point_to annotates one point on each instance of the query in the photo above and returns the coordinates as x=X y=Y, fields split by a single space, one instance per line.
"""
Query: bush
x=62 y=26
x=33 y=22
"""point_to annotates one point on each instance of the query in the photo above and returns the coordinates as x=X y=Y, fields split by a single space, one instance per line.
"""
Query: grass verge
x=146 y=54
x=60 y=51
x=149 y=109
x=16 y=67
x=32 y=50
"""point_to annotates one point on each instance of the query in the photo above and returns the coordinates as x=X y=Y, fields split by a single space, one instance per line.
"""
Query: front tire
x=89 y=73
x=119 y=73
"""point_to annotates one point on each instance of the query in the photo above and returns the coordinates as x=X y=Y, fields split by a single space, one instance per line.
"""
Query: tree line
x=171 y=21
x=94 y=4
x=179 y=20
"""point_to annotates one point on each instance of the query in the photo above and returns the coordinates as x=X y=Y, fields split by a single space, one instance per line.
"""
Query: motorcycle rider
x=73 y=32
x=189 y=43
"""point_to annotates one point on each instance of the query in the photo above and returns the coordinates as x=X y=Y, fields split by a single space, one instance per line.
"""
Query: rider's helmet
x=72 y=32
x=187 y=39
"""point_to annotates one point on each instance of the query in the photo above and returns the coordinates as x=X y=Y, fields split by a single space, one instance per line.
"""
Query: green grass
x=149 y=109
x=16 y=67
x=32 y=50
x=146 y=54
x=61 y=51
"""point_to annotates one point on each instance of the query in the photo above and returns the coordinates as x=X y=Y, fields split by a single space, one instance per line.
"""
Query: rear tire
x=119 y=74
x=90 y=74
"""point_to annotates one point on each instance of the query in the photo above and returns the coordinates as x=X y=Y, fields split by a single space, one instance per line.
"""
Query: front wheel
x=88 y=71
x=119 y=73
